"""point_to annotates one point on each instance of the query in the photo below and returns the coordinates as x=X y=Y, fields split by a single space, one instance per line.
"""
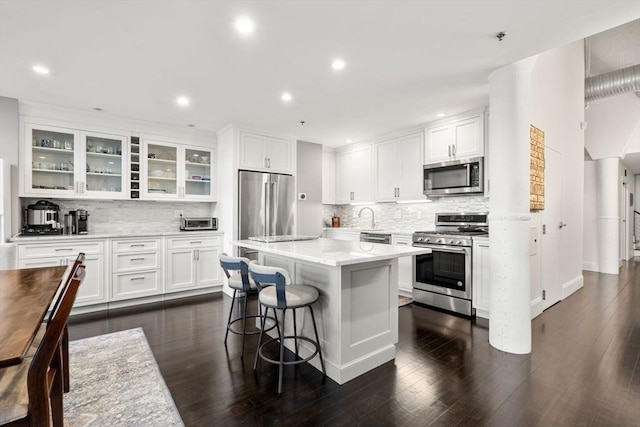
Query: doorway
x=552 y=226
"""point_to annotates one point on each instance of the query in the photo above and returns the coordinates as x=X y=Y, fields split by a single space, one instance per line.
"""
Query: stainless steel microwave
x=456 y=177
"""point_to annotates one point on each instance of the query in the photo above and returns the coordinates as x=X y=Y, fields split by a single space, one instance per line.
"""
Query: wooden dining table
x=25 y=297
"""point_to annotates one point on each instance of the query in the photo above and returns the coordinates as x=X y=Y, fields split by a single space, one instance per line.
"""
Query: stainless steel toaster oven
x=197 y=224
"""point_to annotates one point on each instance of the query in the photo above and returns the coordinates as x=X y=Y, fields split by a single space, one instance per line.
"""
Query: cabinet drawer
x=119 y=246
x=41 y=262
x=59 y=249
x=136 y=261
x=193 y=242
x=135 y=285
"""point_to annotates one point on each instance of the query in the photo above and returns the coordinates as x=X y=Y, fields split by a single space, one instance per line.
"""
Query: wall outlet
x=177 y=214
x=419 y=215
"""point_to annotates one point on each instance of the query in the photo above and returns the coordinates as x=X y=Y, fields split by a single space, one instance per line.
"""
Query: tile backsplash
x=122 y=216
x=400 y=216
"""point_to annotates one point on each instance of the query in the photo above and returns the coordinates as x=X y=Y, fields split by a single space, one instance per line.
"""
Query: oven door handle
x=464 y=250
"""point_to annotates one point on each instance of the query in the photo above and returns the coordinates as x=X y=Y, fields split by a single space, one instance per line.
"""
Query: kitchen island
x=357 y=312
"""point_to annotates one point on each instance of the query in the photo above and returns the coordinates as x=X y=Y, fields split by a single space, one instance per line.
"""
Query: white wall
x=613 y=126
x=557 y=97
x=590 y=242
x=309 y=167
x=9 y=131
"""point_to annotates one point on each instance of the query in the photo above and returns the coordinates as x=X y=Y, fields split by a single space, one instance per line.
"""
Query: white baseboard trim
x=572 y=285
x=480 y=312
x=636 y=252
x=590 y=266
x=536 y=307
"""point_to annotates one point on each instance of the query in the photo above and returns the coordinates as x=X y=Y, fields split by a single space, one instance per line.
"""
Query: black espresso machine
x=41 y=218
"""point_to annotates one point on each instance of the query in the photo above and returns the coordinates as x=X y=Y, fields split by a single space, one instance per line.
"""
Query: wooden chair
x=31 y=394
x=66 y=279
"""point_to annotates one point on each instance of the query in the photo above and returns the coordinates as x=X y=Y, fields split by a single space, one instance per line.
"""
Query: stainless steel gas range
x=443 y=277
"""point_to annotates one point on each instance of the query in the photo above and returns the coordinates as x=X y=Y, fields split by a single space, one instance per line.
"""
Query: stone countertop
x=333 y=253
x=369 y=230
x=114 y=235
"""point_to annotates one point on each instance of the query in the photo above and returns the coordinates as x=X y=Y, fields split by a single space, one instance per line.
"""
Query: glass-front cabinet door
x=105 y=170
x=62 y=162
x=160 y=170
x=198 y=172
x=51 y=161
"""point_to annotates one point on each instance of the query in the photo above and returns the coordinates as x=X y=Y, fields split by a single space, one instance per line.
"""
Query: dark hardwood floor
x=584 y=369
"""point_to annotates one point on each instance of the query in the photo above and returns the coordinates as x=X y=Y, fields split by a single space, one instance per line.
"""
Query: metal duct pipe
x=613 y=83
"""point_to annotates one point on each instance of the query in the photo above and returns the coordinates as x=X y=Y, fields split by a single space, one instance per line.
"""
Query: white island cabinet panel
x=357 y=312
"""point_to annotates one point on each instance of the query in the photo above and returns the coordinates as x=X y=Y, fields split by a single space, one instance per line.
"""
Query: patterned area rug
x=115 y=381
x=402 y=301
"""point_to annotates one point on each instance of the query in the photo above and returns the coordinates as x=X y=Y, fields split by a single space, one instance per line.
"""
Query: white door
x=208 y=266
x=180 y=270
x=278 y=155
x=344 y=177
x=387 y=169
x=468 y=138
x=551 y=234
x=252 y=151
x=410 y=165
x=438 y=147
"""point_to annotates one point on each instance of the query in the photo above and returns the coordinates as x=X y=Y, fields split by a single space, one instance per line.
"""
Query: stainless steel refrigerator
x=267 y=205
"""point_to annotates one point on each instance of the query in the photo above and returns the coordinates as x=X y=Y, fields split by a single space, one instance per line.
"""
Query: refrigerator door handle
x=266 y=204
x=272 y=207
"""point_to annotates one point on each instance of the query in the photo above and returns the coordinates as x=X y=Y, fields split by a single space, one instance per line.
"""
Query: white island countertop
x=333 y=253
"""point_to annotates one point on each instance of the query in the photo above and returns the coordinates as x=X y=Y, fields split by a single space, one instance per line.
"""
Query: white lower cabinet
x=480 y=279
x=134 y=270
x=192 y=262
x=136 y=267
x=92 y=290
x=405 y=265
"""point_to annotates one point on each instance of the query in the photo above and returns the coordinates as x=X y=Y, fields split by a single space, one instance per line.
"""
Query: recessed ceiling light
x=245 y=25
x=192 y=126
x=287 y=96
x=182 y=101
x=349 y=141
x=97 y=108
x=338 y=64
x=440 y=115
x=40 y=69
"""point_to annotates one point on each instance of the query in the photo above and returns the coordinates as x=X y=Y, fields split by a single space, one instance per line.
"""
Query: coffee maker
x=79 y=221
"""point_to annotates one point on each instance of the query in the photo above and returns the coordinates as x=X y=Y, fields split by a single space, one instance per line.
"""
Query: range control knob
x=419 y=239
x=427 y=240
x=451 y=241
x=439 y=241
x=458 y=242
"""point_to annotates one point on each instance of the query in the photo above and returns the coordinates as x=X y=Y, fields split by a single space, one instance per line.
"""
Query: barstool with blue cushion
x=237 y=272
x=284 y=296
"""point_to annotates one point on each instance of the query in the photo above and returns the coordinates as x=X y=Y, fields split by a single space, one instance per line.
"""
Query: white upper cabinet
x=172 y=171
x=265 y=153
x=64 y=162
x=354 y=174
x=398 y=168
x=460 y=138
x=328 y=177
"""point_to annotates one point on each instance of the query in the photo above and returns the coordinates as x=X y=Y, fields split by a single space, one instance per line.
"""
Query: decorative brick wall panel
x=536 y=169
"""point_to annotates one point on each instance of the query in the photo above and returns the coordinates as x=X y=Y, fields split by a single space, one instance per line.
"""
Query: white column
x=510 y=307
x=607 y=215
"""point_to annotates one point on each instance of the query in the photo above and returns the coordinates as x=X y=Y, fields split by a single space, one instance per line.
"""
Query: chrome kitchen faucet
x=373 y=216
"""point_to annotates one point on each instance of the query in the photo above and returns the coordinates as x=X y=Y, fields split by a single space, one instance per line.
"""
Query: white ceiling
x=406 y=60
